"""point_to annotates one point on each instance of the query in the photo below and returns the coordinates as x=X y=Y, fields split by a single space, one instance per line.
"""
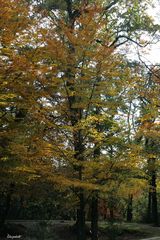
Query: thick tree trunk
x=130 y=208
x=94 y=216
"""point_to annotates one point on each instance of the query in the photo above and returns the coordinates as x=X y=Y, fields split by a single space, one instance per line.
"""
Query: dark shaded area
x=13 y=229
x=61 y=230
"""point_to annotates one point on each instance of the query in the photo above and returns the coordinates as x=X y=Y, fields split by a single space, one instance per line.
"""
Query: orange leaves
x=60 y=76
x=14 y=18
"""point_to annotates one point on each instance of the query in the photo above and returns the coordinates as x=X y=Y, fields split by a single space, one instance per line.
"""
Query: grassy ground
x=62 y=230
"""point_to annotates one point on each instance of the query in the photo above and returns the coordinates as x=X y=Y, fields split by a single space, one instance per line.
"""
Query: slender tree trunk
x=81 y=231
x=94 y=201
x=152 y=197
x=154 y=200
x=130 y=208
x=149 y=209
x=94 y=216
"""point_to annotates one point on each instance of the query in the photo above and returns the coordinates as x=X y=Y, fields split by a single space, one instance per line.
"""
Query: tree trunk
x=149 y=209
x=154 y=200
x=94 y=201
x=94 y=216
x=81 y=231
x=130 y=208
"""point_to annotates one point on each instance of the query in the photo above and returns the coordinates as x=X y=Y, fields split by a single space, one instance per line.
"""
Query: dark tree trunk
x=94 y=201
x=94 y=216
x=81 y=231
x=152 y=197
x=154 y=200
x=130 y=208
x=149 y=209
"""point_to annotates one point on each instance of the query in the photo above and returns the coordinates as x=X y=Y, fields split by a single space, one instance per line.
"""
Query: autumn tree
x=17 y=148
x=12 y=24
x=66 y=84
x=148 y=134
x=78 y=74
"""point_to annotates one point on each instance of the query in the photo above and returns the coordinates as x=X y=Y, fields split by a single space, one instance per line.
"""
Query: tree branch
x=113 y=44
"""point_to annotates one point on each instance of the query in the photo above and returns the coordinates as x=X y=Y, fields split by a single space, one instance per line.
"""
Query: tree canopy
x=75 y=112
